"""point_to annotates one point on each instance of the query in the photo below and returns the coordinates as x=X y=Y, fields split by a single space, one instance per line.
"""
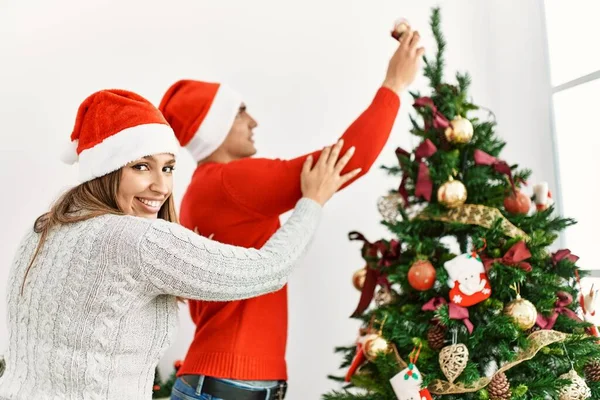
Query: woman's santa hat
x=201 y=114
x=114 y=128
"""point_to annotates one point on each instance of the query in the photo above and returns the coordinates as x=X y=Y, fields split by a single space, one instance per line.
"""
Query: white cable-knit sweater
x=99 y=307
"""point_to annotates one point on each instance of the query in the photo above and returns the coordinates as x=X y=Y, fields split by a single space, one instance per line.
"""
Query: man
x=238 y=351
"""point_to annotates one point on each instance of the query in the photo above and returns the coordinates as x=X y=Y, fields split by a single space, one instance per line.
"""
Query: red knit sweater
x=240 y=203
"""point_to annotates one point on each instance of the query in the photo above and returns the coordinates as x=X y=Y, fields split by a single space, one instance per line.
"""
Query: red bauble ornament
x=518 y=203
x=177 y=364
x=421 y=275
x=156 y=388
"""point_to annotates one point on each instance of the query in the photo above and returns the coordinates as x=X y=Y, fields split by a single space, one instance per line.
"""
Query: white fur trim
x=69 y=153
x=124 y=147
x=217 y=123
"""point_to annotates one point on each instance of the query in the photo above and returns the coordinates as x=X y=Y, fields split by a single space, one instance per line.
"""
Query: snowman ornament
x=543 y=196
x=467 y=280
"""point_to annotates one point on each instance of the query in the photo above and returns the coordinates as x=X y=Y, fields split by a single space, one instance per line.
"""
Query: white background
x=306 y=69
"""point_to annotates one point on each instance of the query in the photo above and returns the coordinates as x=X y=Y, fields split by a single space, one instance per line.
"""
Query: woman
x=92 y=290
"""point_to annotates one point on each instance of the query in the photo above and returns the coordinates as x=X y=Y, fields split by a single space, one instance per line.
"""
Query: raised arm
x=269 y=187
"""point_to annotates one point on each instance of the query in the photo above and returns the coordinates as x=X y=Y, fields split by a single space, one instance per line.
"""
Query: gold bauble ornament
x=522 y=311
x=453 y=360
x=358 y=278
x=385 y=296
x=452 y=194
x=388 y=207
x=459 y=131
x=577 y=390
x=375 y=345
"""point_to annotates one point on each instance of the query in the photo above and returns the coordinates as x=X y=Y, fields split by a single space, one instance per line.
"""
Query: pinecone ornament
x=592 y=371
x=436 y=336
x=499 y=387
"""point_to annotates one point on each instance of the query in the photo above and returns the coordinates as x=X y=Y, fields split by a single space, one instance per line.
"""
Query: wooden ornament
x=453 y=360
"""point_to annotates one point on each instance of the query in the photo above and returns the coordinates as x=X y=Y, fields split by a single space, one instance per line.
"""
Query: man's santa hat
x=201 y=114
x=114 y=128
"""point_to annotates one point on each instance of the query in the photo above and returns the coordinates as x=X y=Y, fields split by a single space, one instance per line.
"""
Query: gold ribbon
x=539 y=340
x=476 y=214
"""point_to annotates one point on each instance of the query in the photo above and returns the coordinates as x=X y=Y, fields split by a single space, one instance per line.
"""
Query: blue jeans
x=183 y=391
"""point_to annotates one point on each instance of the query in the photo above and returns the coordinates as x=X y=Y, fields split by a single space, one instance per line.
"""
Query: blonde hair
x=88 y=200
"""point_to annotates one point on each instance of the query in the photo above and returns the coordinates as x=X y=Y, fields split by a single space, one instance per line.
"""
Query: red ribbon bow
x=387 y=255
x=402 y=189
x=515 y=257
x=455 y=311
x=564 y=254
x=424 y=186
x=483 y=158
x=439 y=120
x=560 y=307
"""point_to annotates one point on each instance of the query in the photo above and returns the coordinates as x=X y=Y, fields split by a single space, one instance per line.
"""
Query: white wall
x=520 y=86
x=306 y=69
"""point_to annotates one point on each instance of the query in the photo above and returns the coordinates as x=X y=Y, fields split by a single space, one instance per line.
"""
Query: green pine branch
x=434 y=68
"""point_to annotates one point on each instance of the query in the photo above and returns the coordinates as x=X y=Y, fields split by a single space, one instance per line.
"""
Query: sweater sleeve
x=179 y=262
x=272 y=187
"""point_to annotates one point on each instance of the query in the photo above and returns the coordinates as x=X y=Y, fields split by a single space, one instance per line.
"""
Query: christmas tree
x=467 y=302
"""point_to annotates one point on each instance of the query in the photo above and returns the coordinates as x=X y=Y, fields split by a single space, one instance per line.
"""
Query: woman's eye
x=141 y=167
x=169 y=169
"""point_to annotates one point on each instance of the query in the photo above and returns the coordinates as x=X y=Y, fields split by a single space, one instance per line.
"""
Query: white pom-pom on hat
x=69 y=153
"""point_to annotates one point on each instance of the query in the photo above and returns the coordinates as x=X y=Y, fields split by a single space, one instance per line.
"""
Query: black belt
x=227 y=391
